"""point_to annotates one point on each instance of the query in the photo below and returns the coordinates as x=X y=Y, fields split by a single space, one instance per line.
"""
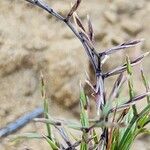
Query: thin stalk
x=145 y=82
x=130 y=84
x=43 y=93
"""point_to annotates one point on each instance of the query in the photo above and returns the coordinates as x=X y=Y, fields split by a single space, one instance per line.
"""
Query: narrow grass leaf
x=132 y=123
x=43 y=93
x=84 y=118
x=51 y=143
x=145 y=82
x=130 y=84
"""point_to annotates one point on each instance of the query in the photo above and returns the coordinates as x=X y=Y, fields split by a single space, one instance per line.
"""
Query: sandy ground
x=33 y=36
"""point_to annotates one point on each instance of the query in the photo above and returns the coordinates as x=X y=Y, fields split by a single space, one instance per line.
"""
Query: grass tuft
x=118 y=121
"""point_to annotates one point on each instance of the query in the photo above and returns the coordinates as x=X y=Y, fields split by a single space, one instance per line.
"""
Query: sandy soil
x=33 y=36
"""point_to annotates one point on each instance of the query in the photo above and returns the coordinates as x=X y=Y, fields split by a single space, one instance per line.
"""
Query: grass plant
x=118 y=121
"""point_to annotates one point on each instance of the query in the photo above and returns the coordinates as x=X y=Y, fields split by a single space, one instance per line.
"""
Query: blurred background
x=32 y=41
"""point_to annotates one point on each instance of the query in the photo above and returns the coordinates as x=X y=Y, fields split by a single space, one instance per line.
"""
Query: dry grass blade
x=90 y=85
x=117 y=85
x=78 y=21
x=90 y=50
x=134 y=42
x=111 y=132
x=139 y=97
x=85 y=40
x=104 y=59
x=120 y=47
x=89 y=43
x=90 y=29
x=73 y=9
x=31 y=1
x=43 y=93
x=131 y=102
x=123 y=68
